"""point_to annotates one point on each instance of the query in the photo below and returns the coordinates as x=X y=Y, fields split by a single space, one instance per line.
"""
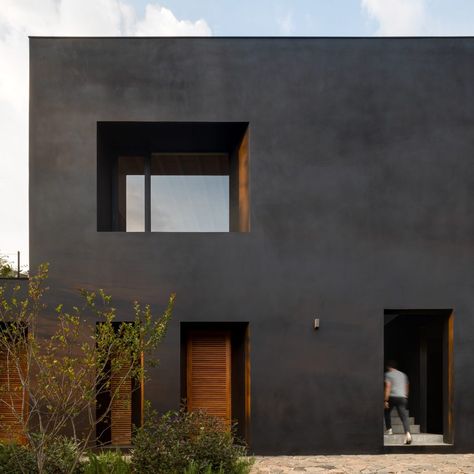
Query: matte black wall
x=361 y=182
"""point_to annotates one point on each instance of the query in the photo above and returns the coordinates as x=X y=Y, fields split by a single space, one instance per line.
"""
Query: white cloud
x=20 y=18
x=285 y=23
x=163 y=20
x=397 y=17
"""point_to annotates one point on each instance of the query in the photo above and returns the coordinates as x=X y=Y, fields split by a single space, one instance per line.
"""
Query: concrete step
x=423 y=439
x=397 y=421
x=398 y=429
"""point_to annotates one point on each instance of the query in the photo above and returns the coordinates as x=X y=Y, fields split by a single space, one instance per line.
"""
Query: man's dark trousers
x=401 y=405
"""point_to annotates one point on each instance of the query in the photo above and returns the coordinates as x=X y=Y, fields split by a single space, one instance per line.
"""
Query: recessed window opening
x=173 y=177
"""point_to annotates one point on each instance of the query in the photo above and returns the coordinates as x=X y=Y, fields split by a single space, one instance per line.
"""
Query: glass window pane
x=190 y=203
x=135 y=220
x=131 y=194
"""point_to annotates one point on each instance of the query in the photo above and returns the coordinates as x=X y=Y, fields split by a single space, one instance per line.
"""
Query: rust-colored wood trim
x=423 y=364
x=247 y=385
x=244 y=179
x=229 y=378
x=449 y=380
x=142 y=390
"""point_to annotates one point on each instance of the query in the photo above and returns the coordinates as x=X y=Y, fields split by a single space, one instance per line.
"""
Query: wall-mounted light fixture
x=316 y=323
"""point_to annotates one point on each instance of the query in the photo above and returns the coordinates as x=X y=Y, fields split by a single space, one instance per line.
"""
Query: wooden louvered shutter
x=121 y=408
x=209 y=373
x=11 y=395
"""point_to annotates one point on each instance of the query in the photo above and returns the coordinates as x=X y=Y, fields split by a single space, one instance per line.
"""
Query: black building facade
x=345 y=170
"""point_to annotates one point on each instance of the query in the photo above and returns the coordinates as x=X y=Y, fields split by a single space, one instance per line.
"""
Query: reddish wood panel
x=121 y=408
x=12 y=398
x=244 y=201
x=209 y=373
x=449 y=371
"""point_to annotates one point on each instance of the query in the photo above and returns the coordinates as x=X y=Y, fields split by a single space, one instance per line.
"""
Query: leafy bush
x=193 y=468
x=16 y=459
x=108 y=462
x=241 y=467
x=70 y=371
x=59 y=458
x=190 y=442
x=62 y=457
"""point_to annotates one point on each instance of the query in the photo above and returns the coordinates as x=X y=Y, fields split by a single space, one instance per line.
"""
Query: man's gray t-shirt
x=398 y=383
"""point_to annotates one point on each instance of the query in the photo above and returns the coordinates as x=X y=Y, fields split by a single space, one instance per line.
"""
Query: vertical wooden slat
x=12 y=398
x=121 y=408
x=209 y=373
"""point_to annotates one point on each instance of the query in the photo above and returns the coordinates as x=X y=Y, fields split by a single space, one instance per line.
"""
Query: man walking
x=396 y=395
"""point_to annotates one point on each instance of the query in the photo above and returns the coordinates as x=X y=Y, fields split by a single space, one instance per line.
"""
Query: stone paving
x=377 y=464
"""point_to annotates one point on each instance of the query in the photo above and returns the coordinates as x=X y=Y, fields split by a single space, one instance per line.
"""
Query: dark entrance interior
x=238 y=370
x=420 y=341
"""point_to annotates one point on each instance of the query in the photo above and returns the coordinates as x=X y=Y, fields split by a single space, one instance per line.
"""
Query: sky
x=20 y=18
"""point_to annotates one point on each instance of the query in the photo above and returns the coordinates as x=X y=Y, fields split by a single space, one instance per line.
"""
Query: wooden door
x=121 y=408
x=13 y=404
x=209 y=373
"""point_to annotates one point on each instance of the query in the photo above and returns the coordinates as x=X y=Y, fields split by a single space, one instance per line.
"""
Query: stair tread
x=397 y=421
x=398 y=429
x=418 y=439
x=426 y=435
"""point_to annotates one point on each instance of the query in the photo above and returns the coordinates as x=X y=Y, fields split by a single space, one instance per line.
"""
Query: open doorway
x=421 y=343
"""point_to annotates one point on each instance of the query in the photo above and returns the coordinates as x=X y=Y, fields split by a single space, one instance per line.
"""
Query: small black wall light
x=316 y=323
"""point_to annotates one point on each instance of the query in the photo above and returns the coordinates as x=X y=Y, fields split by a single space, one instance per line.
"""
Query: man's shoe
x=408 y=438
x=389 y=431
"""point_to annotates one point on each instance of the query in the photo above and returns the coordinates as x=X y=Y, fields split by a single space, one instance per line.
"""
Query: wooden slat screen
x=121 y=408
x=11 y=394
x=209 y=373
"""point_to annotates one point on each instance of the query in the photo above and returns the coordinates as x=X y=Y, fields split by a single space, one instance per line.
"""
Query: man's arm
x=388 y=387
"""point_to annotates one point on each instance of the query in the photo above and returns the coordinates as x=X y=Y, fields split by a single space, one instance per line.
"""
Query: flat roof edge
x=251 y=37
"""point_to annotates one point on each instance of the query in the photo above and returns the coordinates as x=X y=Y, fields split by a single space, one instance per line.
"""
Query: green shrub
x=193 y=468
x=59 y=458
x=242 y=466
x=108 y=462
x=187 y=442
x=16 y=459
x=61 y=455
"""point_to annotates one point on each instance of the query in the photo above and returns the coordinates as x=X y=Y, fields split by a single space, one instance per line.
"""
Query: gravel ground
x=381 y=464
